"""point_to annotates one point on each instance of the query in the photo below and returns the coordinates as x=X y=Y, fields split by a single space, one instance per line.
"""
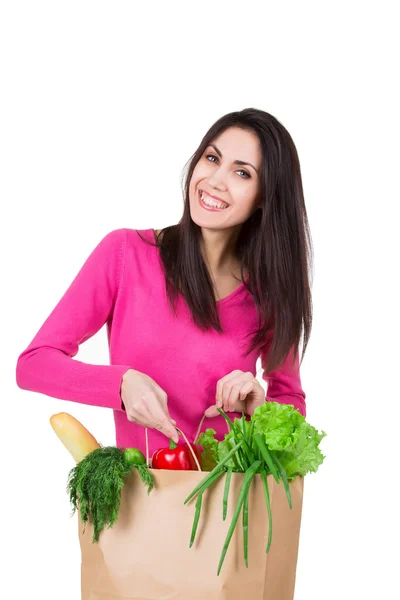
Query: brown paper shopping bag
x=146 y=554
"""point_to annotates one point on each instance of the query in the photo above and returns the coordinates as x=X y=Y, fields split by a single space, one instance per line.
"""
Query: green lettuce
x=215 y=451
x=230 y=440
x=286 y=433
x=294 y=441
x=277 y=423
x=210 y=449
x=303 y=456
x=224 y=447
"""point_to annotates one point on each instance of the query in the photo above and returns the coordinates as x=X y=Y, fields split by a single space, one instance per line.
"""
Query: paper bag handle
x=184 y=437
x=190 y=448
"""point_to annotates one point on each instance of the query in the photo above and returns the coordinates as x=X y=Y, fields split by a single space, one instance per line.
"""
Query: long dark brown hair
x=274 y=245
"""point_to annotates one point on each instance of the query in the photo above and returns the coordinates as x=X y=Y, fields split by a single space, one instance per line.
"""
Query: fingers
x=163 y=421
x=233 y=389
x=166 y=427
x=151 y=411
x=220 y=386
x=211 y=412
x=246 y=389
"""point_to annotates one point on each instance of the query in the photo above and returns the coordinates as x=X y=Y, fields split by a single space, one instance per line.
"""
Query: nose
x=217 y=180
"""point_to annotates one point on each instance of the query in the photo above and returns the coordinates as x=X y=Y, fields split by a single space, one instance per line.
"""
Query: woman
x=190 y=308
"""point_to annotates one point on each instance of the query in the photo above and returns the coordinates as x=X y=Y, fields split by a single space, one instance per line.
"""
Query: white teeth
x=212 y=203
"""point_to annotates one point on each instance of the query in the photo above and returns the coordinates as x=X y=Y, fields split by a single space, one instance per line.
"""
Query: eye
x=248 y=176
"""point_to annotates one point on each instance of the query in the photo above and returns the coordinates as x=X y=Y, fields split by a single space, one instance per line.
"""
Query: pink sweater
x=121 y=284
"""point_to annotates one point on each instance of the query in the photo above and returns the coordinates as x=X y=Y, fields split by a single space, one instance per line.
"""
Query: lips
x=210 y=208
x=215 y=198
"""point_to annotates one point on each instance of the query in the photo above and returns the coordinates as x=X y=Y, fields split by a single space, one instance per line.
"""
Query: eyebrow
x=236 y=162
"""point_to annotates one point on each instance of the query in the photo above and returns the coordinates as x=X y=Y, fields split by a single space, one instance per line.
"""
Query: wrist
x=126 y=376
x=122 y=389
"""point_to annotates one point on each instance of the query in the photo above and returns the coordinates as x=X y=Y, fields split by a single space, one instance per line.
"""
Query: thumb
x=211 y=412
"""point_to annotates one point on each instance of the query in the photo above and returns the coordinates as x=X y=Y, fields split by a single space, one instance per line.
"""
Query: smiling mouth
x=210 y=204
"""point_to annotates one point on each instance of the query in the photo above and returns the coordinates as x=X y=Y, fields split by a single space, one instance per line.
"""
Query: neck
x=218 y=249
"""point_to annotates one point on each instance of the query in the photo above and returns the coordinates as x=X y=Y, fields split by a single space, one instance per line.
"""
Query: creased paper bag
x=146 y=554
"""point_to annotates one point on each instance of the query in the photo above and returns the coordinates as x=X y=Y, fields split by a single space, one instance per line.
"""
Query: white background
x=102 y=104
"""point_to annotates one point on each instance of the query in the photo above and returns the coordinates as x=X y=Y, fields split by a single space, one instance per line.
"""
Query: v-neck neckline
x=225 y=298
x=233 y=293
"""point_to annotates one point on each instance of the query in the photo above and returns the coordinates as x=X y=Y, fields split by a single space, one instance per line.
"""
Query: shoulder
x=133 y=244
x=116 y=236
x=112 y=245
x=125 y=236
x=140 y=240
x=120 y=248
x=128 y=241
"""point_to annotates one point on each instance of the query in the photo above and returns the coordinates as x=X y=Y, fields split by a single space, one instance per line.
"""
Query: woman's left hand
x=237 y=391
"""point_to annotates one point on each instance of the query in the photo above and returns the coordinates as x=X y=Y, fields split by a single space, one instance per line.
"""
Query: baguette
x=75 y=437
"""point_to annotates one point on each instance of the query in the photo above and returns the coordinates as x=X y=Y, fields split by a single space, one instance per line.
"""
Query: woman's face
x=236 y=185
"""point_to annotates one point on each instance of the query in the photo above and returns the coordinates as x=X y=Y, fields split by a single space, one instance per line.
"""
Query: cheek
x=201 y=171
x=246 y=200
x=193 y=189
x=197 y=176
x=247 y=208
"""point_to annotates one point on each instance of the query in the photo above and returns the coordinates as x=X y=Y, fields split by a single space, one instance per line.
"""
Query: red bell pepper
x=178 y=458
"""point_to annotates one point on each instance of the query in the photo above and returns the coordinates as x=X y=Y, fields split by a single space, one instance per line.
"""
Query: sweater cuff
x=119 y=370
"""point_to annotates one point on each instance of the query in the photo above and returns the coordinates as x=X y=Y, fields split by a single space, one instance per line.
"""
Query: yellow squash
x=75 y=437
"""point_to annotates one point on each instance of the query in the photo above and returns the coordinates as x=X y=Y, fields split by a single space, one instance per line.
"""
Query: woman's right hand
x=145 y=403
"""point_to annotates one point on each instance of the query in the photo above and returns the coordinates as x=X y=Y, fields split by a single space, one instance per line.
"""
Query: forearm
x=51 y=372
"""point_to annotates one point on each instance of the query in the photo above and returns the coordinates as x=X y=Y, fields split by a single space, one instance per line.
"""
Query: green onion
x=243 y=491
x=215 y=470
x=244 y=427
x=198 y=506
x=284 y=478
x=251 y=433
x=238 y=459
x=246 y=527
x=266 y=455
x=247 y=443
x=226 y=492
x=267 y=500
x=196 y=518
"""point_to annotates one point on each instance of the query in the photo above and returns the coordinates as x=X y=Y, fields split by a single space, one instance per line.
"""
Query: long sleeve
x=284 y=384
x=47 y=365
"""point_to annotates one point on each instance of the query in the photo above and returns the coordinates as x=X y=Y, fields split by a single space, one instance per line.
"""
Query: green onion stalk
x=276 y=441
